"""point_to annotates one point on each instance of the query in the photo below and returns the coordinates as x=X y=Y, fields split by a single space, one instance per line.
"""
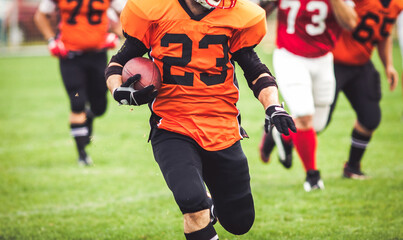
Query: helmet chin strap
x=208 y=5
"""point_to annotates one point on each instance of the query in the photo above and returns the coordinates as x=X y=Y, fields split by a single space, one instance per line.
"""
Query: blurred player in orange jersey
x=400 y=37
x=195 y=123
x=81 y=45
x=303 y=64
x=357 y=77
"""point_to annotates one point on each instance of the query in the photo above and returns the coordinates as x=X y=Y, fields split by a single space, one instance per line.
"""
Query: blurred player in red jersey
x=195 y=123
x=81 y=45
x=357 y=77
x=303 y=63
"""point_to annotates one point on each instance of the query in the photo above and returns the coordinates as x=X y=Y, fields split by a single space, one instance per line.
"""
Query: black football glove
x=127 y=95
x=277 y=116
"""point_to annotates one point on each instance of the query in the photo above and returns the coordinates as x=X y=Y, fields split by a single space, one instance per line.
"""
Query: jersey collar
x=191 y=15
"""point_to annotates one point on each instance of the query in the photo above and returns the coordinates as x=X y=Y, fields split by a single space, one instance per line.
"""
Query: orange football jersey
x=83 y=24
x=376 y=22
x=198 y=93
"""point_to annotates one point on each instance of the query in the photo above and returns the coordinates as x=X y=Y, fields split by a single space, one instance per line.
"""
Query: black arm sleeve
x=250 y=63
x=131 y=48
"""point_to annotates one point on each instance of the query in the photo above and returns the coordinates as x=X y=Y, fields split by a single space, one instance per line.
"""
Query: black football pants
x=83 y=78
x=361 y=85
x=187 y=168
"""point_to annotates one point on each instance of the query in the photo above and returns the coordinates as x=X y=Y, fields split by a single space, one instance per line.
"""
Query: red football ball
x=150 y=74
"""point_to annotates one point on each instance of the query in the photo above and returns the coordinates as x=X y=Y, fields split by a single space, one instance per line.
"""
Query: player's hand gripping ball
x=150 y=74
x=141 y=79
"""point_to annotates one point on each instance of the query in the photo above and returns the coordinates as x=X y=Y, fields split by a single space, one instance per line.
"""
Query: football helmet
x=223 y=4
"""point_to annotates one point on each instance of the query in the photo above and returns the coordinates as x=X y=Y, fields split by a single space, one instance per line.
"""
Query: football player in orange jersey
x=81 y=45
x=357 y=77
x=195 y=124
x=400 y=36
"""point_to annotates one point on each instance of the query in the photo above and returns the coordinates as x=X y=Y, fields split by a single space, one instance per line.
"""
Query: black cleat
x=353 y=173
x=266 y=146
x=84 y=159
x=284 y=149
x=313 y=181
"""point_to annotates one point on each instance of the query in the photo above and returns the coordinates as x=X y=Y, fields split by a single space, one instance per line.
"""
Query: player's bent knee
x=370 y=117
x=77 y=106
x=77 y=100
x=99 y=110
x=192 y=203
x=238 y=223
x=371 y=123
x=321 y=117
x=238 y=217
x=98 y=107
x=303 y=122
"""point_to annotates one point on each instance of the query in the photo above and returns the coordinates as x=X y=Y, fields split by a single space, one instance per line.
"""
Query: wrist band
x=262 y=83
x=113 y=70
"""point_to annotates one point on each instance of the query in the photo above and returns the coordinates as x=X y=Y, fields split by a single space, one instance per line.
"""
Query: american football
x=149 y=72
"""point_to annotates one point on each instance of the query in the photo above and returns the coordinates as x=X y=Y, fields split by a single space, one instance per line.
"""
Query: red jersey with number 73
x=376 y=23
x=306 y=28
x=198 y=93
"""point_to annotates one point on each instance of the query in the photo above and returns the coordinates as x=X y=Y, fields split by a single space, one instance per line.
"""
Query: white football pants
x=306 y=84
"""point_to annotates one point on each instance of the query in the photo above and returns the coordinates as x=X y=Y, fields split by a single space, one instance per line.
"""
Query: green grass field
x=45 y=195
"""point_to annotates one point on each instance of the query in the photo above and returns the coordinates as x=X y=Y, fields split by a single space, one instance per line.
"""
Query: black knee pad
x=372 y=121
x=192 y=202
x=99 y=108
x=371 y=124
x=237 y=216
x=77 y=104
x=98 y=102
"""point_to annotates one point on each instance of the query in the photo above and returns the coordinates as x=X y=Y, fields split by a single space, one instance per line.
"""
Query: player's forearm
x=43 y=24
x=385 y=52
x=117 y=29
x=115 y=25
x=399 y=27
x=269 y=96
x=114 y=81
x=345 y=15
